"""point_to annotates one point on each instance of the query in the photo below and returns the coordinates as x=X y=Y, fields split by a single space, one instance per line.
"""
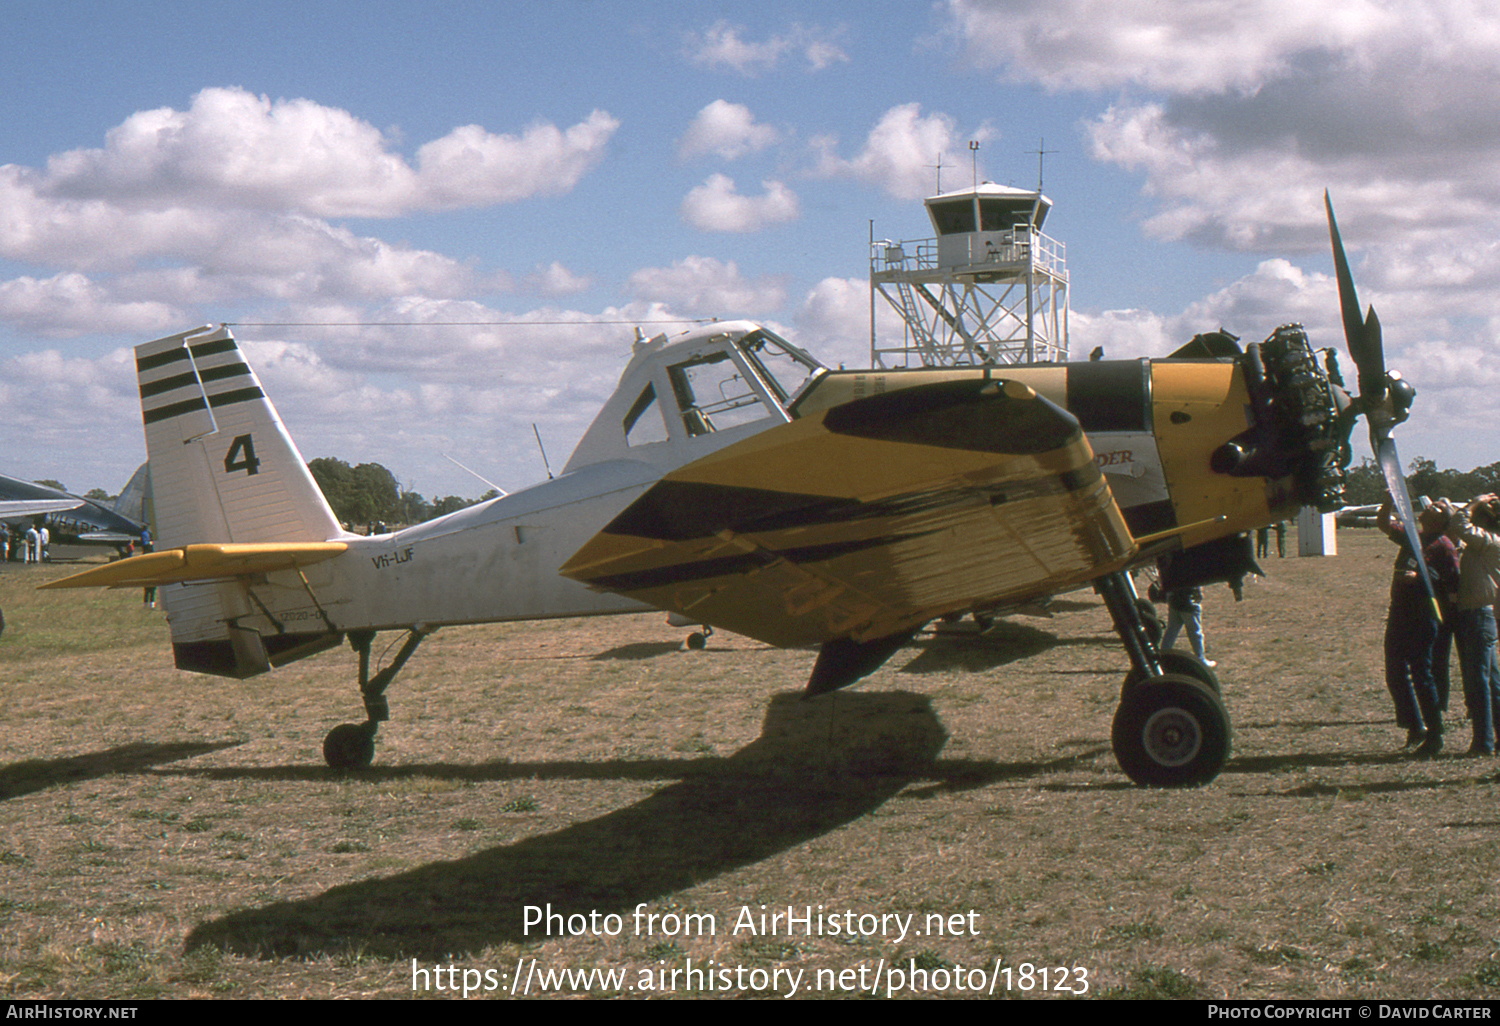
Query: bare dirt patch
x=164 y=834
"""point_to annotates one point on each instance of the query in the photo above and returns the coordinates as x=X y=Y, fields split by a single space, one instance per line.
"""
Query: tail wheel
x=1171 y=731
x=350 y=746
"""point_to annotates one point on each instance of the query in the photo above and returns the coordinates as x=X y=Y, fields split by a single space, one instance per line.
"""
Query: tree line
x=363 y=494
x=1366 y=485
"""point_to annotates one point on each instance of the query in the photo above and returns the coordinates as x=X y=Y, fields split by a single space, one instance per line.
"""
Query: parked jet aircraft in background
x=734 y=481
x=71 y=519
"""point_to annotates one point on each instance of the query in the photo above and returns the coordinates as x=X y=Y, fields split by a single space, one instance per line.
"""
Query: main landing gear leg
x=1171 y=729
x=352 y=745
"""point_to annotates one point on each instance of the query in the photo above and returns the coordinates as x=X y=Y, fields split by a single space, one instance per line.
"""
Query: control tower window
x=998 y=215
x=953 y=216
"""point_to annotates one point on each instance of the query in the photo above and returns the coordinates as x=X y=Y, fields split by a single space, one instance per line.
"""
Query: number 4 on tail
x=241 y=456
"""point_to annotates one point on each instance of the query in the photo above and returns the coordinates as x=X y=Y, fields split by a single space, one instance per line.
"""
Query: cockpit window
x=782 y=366
x=712 y=393
x=643 y=424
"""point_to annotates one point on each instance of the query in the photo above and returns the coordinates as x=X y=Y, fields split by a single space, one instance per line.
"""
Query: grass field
x=164 y=834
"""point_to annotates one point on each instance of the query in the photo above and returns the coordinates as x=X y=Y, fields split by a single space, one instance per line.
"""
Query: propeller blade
x=1364 y=345
x=1395 y=481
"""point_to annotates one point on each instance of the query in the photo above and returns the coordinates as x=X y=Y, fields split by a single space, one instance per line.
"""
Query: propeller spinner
x=1383 y=398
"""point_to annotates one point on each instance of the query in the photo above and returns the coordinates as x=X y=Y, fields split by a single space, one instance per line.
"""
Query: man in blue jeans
x=1411 y=626
x=1474 y=621
x=1185 y=609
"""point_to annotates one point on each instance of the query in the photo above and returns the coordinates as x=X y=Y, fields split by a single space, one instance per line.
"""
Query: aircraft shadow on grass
x=21 y=778
x=637 y=650
x=793 y=783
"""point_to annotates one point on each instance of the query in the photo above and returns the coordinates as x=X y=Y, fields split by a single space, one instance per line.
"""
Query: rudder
x=224 y=469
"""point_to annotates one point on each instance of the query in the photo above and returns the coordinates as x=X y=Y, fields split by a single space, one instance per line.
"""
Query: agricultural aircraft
x=734 y=481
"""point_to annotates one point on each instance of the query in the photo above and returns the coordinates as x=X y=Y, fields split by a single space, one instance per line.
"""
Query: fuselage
x=1154 y=426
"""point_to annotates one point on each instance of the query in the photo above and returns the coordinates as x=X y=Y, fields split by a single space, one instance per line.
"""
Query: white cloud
x=716 y=206
x=1253 y=108
x=235 y=149
x=69 y=303
x=1199 y=47
x=833 y=322
x=555 y=280
x=1277 y=292
x=51 y=403
x=720 y=46
x=226 y=202
x=900 y=152
x=726 y=129
x=471 y=167
x=708 y=287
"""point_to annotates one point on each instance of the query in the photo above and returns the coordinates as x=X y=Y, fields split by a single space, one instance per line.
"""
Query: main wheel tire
x=350 y=746
x=1182 y=664
x=1151 y=620
x=1171 y=731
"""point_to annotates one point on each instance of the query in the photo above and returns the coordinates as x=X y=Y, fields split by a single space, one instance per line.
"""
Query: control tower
x=989 y=289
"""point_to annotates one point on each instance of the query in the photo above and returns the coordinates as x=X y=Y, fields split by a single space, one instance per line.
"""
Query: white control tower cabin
x=990 y=289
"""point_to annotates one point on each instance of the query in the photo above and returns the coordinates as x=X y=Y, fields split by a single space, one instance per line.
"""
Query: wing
x=33 y=507
x=870 y=519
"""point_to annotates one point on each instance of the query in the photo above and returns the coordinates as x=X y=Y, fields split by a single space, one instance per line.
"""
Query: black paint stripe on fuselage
x=739 y=563
x=974 y=416
x=683 y=510
x=1111 y=395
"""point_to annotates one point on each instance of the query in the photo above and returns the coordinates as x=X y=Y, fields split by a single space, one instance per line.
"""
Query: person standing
x=1474 y=617
x=148 y=594
x=1411 y=627
x=1185 y=610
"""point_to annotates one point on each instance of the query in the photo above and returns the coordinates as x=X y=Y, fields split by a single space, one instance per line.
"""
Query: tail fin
x=134 y=500
x=223 y=469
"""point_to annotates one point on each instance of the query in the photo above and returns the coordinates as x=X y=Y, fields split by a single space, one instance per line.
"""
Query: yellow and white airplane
x=734 y=481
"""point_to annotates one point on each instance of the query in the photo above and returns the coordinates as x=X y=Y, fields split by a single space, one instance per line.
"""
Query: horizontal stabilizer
x=201 y=563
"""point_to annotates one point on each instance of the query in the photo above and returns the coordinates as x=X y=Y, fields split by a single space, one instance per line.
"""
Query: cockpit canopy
x=700 y=391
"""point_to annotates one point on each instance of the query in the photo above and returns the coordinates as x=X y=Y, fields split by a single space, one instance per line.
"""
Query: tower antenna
x=1041 y=152
x=938 y=167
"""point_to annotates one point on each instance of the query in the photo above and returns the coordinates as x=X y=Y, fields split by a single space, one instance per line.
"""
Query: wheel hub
x=1172 y=737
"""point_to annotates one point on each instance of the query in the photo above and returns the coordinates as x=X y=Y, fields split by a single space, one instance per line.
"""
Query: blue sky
x=605 y=164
